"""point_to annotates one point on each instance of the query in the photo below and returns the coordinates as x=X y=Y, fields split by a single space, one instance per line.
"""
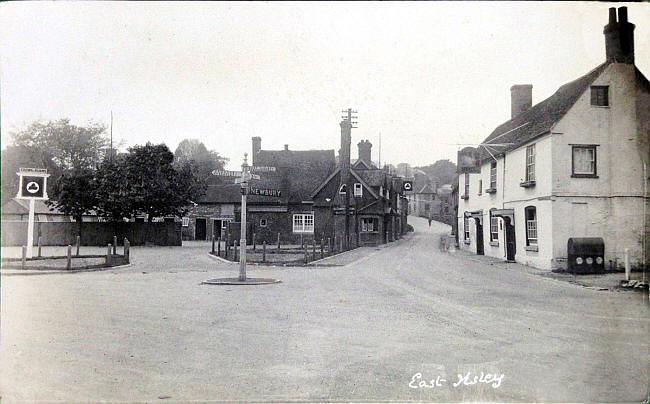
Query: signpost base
x=236 y=281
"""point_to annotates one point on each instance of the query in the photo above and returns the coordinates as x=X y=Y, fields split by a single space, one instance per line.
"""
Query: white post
x=30 y=229
x=242 y=241
x=627 y=264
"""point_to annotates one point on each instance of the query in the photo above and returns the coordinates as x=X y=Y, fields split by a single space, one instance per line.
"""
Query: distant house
x=423 y=201
x=574 y=165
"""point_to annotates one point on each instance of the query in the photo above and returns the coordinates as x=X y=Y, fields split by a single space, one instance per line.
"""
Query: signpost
x=244 y=176
x=33 y=186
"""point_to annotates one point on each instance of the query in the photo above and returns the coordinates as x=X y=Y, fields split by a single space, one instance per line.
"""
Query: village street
x=363 y=331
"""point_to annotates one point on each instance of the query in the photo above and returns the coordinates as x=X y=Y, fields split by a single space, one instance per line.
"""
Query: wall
x=612 y=204
x=93 y=233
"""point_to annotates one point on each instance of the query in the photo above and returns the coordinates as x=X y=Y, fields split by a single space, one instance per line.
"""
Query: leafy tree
x=113 y=198
x=444 y=170
x=205 y=161
x=15 y=157
x=74 y=193
x=156 y=186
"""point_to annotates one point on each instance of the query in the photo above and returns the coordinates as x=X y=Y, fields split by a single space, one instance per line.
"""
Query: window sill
x=584 y=176
x=600 y=106
x=527 y=184
x=494 y=243
x=531 y=248
x=491 y=191
x=466 y=197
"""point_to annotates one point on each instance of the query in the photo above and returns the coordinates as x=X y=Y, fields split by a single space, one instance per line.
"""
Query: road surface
x=152 y=332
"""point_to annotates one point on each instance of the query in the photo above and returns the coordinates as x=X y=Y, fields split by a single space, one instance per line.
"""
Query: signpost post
x=243 y=177
x=33 y=186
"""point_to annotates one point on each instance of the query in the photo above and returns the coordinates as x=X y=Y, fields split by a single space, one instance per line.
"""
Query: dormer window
x=600 y=96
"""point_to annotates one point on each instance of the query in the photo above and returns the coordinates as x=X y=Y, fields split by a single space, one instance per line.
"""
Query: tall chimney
x=521 y=96
x=257 y=146
x=286 y=147
x=365 y=151
x=619 y=37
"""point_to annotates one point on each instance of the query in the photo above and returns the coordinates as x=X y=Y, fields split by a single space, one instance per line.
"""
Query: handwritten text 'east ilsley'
x=466 y=379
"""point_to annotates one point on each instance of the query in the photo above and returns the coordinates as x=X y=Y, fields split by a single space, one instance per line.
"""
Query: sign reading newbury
x=265 y=192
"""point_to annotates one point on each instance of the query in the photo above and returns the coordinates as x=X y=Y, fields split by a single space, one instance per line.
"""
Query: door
x=216 y=229
x=510 y=239
x=200 y=229
x=479 y=238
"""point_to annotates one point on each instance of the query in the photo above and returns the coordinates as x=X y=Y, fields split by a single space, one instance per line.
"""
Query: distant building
x=573 y=165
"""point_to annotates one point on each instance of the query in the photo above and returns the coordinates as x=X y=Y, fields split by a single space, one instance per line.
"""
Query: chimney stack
x=365 y=151
x=521 y=96
x=619 y=37
x=286 y=147
x=257 y=146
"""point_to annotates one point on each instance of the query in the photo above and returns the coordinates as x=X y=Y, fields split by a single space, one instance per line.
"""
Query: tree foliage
x=113 y=199
x=204 y=160
x=443 y=170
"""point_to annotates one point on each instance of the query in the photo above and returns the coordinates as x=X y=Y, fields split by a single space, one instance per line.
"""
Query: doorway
x=479 y=238
x=200 y=229
x=216 y=228
x=511 y=246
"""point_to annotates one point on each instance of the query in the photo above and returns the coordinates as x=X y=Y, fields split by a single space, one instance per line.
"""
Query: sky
x=428 y=77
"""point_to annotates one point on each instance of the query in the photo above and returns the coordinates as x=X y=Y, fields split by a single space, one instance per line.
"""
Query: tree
x=193 y=150
x=57 y=146
x=156 y=186
x=444 y=170
x=113 y=197
x=74 y=194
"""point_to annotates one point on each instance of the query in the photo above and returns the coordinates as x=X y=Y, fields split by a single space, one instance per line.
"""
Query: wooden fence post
x=278 y=241
x=306 y=256
x=114 y=245
x=108 y=254
x=78 y=243
x=264 y=251
x=127 y=250
x=313 y=249
x=322 y=247
x=253 y=241
x=24 y=261
x=69 y=263
x=302 y=243
x=219 y=248
x=40 y=244
x=236 y=245
x=329 y=246
x=213 y=244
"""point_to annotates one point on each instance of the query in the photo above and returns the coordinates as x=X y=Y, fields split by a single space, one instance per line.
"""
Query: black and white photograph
x=281 y=202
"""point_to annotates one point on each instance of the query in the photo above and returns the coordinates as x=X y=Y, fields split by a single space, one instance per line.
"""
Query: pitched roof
x=374 y=178
x=541 y=117
x=298 y=173
x=17 y=206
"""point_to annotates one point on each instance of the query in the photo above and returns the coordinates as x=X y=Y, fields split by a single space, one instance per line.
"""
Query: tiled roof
x=426 y=189
x=374 y=178
x=541 y=117
x=17 y=206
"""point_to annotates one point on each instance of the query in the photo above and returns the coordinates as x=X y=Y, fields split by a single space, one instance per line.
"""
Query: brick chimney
x=365 y=151
x=257 y=146
x=286 y=147
x=521 y=97
x=619 y=37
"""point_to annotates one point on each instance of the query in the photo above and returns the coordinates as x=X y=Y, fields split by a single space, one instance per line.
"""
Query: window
x=584 y=161
x=530 y=163
x=358 y=189
x=466 y=185
x=186 y=221
x=368 y=224
x=480 y=187
x=466 y=226
x=600 y=96
x=531 y=226
x=262 y=222
x=303 y=223
x=494 y=227
x=493 y=175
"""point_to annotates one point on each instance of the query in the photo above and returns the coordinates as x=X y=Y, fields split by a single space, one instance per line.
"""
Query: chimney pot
x=521 y=98
x=612 y=15
x=622 y=14
x=257 y=146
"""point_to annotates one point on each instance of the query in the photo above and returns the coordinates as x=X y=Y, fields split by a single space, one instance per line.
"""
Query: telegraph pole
x=349 y=122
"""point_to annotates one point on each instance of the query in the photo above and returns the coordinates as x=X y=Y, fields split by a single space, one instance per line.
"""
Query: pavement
x=379 y=328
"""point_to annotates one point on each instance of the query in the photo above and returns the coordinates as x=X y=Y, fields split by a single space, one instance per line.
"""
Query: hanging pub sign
x=407 y=186
x=33 y=183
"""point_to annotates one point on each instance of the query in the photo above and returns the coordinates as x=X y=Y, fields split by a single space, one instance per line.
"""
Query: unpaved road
x=151 y=332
